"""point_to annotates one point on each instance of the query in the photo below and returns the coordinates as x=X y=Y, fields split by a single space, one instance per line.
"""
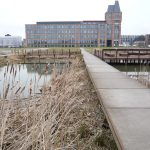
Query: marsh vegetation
x=67 y=115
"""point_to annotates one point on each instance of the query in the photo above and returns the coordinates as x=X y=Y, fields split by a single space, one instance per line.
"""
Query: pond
x=26 y=80
x=141 y=71
x=132 y=68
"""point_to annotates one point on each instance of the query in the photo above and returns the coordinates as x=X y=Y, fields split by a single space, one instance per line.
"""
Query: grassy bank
x=38 y=48
x=67 y=116
x=9 y=60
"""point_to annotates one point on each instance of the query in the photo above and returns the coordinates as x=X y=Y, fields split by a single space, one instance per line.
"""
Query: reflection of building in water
x=77 y=33
x=44 y=69
x=41 y=69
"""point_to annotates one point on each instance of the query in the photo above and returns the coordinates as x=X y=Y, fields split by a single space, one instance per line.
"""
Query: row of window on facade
x=81 y=36
x=67 y=45
x=61 y=31
x=52 y=36
x=78 y=26
x=53 y=28
x=34 y=31
x=65 y=41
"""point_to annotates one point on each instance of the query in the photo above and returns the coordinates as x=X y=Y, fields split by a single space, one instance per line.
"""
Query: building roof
x=97 y=21
x=59 y=22
x=110 y=8
x=70 y=22
x=114 y=8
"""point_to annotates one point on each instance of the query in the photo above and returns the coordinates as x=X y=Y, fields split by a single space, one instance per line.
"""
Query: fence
x=55 y=53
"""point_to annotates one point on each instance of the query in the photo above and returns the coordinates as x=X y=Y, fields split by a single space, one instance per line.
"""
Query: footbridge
x=126 y=104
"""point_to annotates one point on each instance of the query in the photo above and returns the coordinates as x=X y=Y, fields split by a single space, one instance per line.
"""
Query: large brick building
x=77 y=33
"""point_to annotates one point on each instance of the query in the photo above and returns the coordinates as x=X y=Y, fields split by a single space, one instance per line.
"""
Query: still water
x=132 y=68
x=138 y=72
x=26 y=80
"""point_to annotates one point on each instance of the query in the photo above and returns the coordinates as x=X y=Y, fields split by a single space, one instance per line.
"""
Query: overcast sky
x=14 y=14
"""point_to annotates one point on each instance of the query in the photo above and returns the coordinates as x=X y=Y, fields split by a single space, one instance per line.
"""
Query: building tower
x=113 y=18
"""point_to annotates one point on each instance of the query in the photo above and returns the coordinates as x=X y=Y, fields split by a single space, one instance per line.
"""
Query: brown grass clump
x=67 y=116
x=2 y=61
x=8 y=59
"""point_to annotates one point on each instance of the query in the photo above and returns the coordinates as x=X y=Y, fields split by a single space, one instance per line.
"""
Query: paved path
x=126 y=104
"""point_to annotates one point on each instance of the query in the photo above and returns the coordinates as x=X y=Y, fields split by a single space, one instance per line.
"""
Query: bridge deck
x=126 y=104
x=124 y=55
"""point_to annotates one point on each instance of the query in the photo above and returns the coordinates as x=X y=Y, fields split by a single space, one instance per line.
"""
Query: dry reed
x=66 y=116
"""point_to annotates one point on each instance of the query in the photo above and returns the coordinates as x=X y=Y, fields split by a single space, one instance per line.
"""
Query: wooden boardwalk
x=126 y=104
x=124 y=55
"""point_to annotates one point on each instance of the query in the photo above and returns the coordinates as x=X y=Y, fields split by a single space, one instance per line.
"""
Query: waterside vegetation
x=67 y=115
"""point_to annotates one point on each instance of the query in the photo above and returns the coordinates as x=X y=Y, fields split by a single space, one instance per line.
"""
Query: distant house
x=128 y=40
x=10 y=41
x=139 y=41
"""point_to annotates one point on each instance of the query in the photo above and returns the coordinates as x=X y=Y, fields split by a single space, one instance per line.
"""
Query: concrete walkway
x=126 y=104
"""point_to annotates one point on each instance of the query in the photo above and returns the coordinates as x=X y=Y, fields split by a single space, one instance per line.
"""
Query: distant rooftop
x=114 y=8
x=59 y=22
x=69 y=22
x=7 y=35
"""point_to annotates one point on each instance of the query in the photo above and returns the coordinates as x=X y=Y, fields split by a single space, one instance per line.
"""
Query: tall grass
x=66 y=116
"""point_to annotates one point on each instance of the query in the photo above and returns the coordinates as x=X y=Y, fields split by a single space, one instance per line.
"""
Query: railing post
x=116 y=54
x=54 y=53
x=69 y=53
x=95 y=52
x=127 y=56
x=102 y=54
x=139 y=57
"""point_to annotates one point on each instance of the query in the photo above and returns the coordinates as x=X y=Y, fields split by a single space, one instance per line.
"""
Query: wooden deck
x=124 y=55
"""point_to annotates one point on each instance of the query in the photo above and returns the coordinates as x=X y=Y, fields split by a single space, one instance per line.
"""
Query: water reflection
x=25 y=80
x=138 y=72
x=132 y=68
